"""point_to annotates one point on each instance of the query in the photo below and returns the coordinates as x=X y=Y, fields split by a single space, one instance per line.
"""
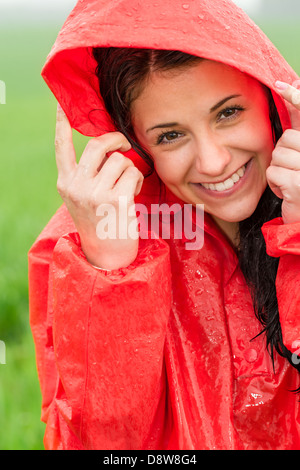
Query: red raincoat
x=159 y=355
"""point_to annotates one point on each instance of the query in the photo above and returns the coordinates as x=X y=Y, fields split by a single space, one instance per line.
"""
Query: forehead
x=205 y=82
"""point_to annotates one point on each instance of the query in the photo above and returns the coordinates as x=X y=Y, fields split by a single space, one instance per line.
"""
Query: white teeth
x=241 y=171
x=235 y=178
x=220 y=187
x=227 y=184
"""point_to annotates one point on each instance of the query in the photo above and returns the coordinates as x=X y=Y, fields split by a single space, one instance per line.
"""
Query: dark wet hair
x=122 y=74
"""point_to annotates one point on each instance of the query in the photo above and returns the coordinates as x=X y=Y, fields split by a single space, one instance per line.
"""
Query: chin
x=237 y=214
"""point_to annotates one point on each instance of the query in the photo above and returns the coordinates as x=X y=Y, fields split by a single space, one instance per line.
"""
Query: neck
x=229 y=229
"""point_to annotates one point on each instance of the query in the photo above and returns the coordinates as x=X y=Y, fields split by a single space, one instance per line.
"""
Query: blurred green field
x=28 y=200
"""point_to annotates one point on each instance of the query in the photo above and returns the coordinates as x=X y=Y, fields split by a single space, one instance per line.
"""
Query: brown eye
x=171 y=135
x=168 y=137
x=229 y=113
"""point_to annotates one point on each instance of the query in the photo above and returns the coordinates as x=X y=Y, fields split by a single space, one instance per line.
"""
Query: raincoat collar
x=149 y=202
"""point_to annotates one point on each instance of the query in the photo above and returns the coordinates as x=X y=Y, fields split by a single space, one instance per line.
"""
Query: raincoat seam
x=232 y=369
x=86 y=357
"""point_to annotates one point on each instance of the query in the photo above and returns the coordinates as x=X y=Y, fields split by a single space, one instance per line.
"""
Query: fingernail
x=281 y=85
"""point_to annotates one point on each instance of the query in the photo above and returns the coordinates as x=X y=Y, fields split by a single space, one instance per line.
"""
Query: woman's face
x=208 y=131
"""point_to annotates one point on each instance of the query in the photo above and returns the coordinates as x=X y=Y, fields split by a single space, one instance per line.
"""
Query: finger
x=130 y=182
x=112 y=170
x=290 y=139
x=292 y=95
x=64 y=148
x=95 y=153
x=279 y=179
x=286 y=158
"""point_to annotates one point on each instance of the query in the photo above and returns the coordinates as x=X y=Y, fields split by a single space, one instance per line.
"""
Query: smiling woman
x=142 y=344
x=222 y=127
x=209 y=134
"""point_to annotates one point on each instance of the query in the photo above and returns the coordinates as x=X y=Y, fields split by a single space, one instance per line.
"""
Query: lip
x=216 y=194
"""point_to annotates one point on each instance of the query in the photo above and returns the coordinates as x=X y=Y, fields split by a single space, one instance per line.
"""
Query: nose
x=212 y=156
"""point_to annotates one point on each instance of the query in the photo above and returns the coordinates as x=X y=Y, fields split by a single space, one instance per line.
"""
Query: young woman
x=142 y=343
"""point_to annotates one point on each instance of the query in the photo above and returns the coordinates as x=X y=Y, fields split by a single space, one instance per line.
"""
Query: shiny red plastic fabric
x=160 y=355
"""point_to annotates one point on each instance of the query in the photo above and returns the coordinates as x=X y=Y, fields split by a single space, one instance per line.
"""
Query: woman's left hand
x=283 y=174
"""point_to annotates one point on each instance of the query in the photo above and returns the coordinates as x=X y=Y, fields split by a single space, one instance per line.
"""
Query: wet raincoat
x=160 y=355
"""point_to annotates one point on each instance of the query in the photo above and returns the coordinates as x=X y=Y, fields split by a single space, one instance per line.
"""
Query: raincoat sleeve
x=283 y=241
x=99 y=340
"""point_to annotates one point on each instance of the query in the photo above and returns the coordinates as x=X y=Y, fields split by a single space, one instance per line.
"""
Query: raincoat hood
x=216 y=30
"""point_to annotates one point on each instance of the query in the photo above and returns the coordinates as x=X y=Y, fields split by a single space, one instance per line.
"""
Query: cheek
x=262 y=130
x=171 y=170
x=167 y=171
x=257 y=137
x=264 y=142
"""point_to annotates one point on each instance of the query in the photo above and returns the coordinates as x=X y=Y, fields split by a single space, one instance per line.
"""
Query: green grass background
x=28 y=199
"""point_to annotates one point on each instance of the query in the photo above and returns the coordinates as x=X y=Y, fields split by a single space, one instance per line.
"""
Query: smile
x=228 y=183
x=227 y=187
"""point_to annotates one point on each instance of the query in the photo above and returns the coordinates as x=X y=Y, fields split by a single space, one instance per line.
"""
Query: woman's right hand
x=99 y=193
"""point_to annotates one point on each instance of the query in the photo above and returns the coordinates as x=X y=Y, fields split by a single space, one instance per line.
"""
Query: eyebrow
x=214 y=108
x=220 y=103
x=161 y=126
